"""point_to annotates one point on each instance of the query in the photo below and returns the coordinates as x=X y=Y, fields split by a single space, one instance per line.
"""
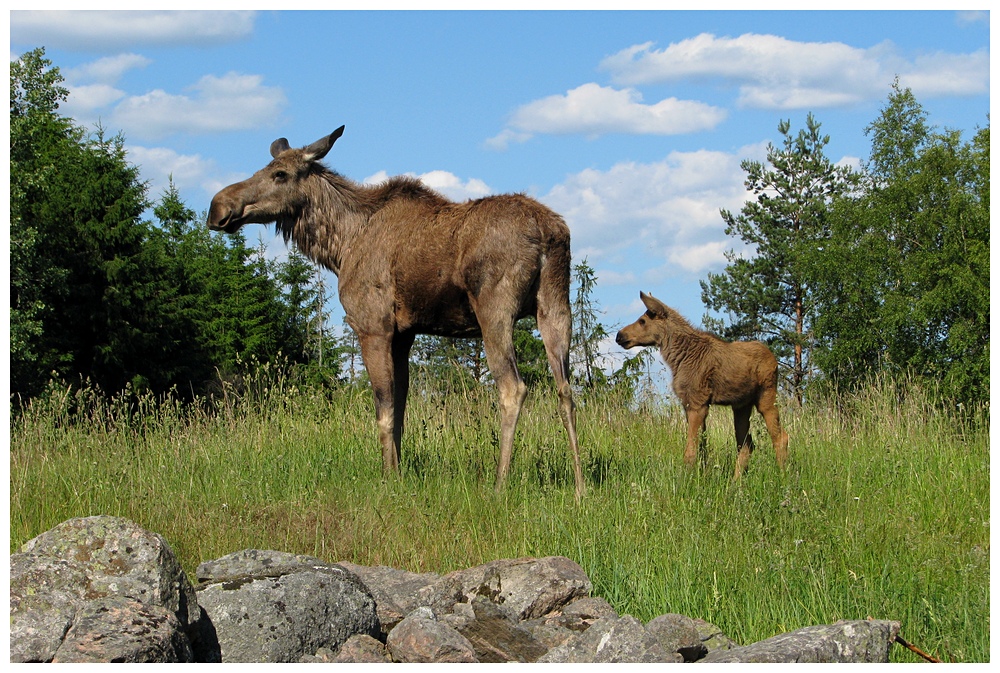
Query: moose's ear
x=653 y=305
x=318 y=149
x=279 y=146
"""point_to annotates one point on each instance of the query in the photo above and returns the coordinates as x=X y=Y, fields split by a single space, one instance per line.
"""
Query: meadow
x=882 y=512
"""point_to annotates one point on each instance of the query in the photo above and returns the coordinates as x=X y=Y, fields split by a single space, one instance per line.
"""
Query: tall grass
x=884 y=511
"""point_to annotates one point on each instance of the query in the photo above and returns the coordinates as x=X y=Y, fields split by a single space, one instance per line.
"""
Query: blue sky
x=631 y=124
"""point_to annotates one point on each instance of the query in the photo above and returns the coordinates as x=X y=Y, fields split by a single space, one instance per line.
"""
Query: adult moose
x=707 y=370
x=411 y=262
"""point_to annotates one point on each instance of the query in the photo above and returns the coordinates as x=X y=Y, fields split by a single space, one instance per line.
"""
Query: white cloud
x=446 y=183
x=228 y=103
x=86 y=98
x=189 y=172
x=107 y=70
x=595 y=110
x=776 y=73
x=115 y=29
x=669 y=209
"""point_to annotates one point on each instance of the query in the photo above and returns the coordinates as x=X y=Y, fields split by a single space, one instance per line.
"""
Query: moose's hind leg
x=778 y=435
x=744 y=440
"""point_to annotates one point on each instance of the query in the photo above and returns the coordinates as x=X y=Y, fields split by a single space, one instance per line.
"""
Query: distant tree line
x=882 y=271
x=103 y=297
x=849 y=273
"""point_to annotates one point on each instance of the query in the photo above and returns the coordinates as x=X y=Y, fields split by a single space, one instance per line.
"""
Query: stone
x=495 y=638
x=525 y=588
x=362 y=649
x=120 y=630
x=59 y=572
x=843 y=642
x=712 y=637
x=251 y=562
x=611 y=640
x=590 y=607
x=287 y=612
x=679 y=634
x=417 y=639
x=399 y=592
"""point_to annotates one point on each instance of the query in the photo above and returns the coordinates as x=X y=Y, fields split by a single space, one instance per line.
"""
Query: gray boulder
x=124 y=631
x=281 y=613
x=59 y=572
x=678 y=634
x=525 y=588
x=612 y=640
x=843 y=642
x=397 y=593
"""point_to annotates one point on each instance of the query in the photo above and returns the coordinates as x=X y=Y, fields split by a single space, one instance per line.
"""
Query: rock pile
x=102 y=589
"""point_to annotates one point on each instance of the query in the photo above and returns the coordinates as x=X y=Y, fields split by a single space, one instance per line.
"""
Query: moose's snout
x=222 y=217
x=622 y=340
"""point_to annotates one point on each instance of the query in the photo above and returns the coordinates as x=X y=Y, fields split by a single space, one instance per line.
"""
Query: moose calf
x=707 y=370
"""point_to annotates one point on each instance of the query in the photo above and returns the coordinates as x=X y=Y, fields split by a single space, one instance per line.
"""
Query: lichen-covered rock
x=81 y=560
x=286 y=612
x=712 y=637
x=679 y=634
x=251 y=562
x=843 y=642
x=420 y=639
x=121 y=630
x=611 y=640
x=589 y=607
x=397 y=592
x=362 y=649
x=526 y=588
x=495 y=638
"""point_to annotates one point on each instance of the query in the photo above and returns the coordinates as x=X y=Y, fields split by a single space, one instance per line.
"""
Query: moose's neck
x=681 y=340
x=329 y=222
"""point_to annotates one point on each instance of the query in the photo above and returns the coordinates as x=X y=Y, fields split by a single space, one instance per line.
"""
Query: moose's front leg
x=696 y=416
x=376 y=352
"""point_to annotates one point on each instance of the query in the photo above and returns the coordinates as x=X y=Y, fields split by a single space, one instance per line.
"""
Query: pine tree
x=768 y=295
x=588 y=332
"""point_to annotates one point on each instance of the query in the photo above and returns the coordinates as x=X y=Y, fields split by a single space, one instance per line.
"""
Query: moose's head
x=274 y=193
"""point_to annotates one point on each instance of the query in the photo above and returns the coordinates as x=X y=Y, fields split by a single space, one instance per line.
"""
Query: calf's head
x=645 y=331
x=275 y=192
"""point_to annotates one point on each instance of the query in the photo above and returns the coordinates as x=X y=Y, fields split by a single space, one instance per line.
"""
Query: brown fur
x=707 y=370
x=411 y=262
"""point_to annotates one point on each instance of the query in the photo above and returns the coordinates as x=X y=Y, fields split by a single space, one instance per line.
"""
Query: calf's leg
x=779 y=438
x=744 y=440
x=696 y=417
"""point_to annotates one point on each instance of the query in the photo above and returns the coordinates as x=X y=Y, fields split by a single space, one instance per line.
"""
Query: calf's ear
x=653 y=305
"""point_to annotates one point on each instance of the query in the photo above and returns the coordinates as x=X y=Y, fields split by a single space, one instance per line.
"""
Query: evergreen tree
x=768 y=295
x=76 y=227
x=588 y=332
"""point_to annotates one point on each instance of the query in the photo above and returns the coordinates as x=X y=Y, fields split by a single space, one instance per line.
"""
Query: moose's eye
x=280 y=176
x=642 y=321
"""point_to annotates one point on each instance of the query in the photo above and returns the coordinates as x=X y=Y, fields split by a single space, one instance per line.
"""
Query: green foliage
x=904 y=278
x=768 y=295
x=588 y=332
x=100 y=295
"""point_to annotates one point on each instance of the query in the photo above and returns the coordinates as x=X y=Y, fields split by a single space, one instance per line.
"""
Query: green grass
x=883 y=511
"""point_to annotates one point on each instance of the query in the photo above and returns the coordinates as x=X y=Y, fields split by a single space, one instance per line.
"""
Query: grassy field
x=883 y=512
